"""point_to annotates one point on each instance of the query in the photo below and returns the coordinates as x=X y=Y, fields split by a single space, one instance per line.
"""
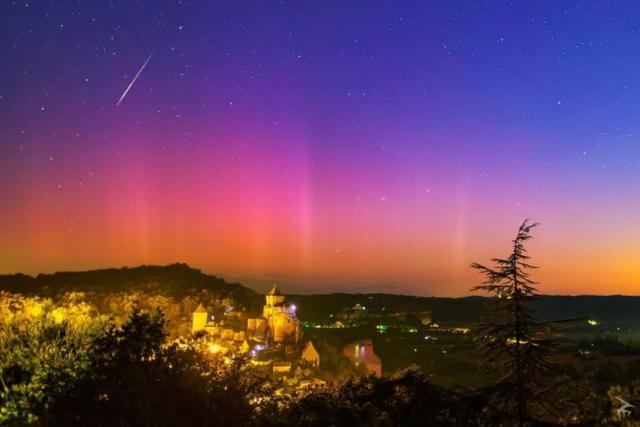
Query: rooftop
x=275 y=291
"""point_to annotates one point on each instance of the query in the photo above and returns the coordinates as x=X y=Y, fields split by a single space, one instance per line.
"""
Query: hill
x=180 y=280
x=175 y=280
x=621 y=310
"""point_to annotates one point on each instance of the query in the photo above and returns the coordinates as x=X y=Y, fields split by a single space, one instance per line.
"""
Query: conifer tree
x=513 y=345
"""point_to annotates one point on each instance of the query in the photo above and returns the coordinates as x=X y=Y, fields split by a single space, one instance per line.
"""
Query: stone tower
x=275 y=301
x=199 y=320
x=281 y=318
x=274 y=305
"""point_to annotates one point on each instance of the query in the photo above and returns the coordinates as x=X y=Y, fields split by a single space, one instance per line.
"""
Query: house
x=310 y=355
x=281 y=367
x=361 y=353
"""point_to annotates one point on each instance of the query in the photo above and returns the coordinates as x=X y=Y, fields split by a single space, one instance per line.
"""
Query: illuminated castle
x=278 y=324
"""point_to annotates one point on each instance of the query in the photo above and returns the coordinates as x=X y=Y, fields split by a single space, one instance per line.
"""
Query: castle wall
x=284 y=327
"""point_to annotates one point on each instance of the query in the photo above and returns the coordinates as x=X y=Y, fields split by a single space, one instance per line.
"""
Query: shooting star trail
x=134 y=80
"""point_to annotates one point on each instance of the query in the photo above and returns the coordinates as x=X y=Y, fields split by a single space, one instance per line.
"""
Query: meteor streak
x=134 y=80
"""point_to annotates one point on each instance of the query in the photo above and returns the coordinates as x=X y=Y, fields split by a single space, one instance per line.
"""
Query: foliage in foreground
x=405 y=398
x=58 y=373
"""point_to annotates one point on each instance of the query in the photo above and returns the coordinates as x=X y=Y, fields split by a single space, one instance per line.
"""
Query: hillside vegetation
x=174 y=280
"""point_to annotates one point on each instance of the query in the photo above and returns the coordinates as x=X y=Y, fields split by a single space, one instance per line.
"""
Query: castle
x=278 y=324
x=281 y=322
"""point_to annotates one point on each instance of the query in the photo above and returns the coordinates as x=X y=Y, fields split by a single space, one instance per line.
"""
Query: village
x=275 y=343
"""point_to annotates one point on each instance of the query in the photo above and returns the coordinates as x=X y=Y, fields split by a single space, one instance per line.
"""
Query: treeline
x=179 y=281
x=611 y=310
x=175 y=280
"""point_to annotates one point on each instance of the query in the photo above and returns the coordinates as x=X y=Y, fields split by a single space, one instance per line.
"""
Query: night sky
x=350 y=146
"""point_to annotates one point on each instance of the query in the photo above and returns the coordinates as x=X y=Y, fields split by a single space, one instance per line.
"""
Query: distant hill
x=180 y=280
x=177 y=280
x=612 y=309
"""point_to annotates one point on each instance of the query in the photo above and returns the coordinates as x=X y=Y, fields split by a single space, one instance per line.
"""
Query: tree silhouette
x=514 y=346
